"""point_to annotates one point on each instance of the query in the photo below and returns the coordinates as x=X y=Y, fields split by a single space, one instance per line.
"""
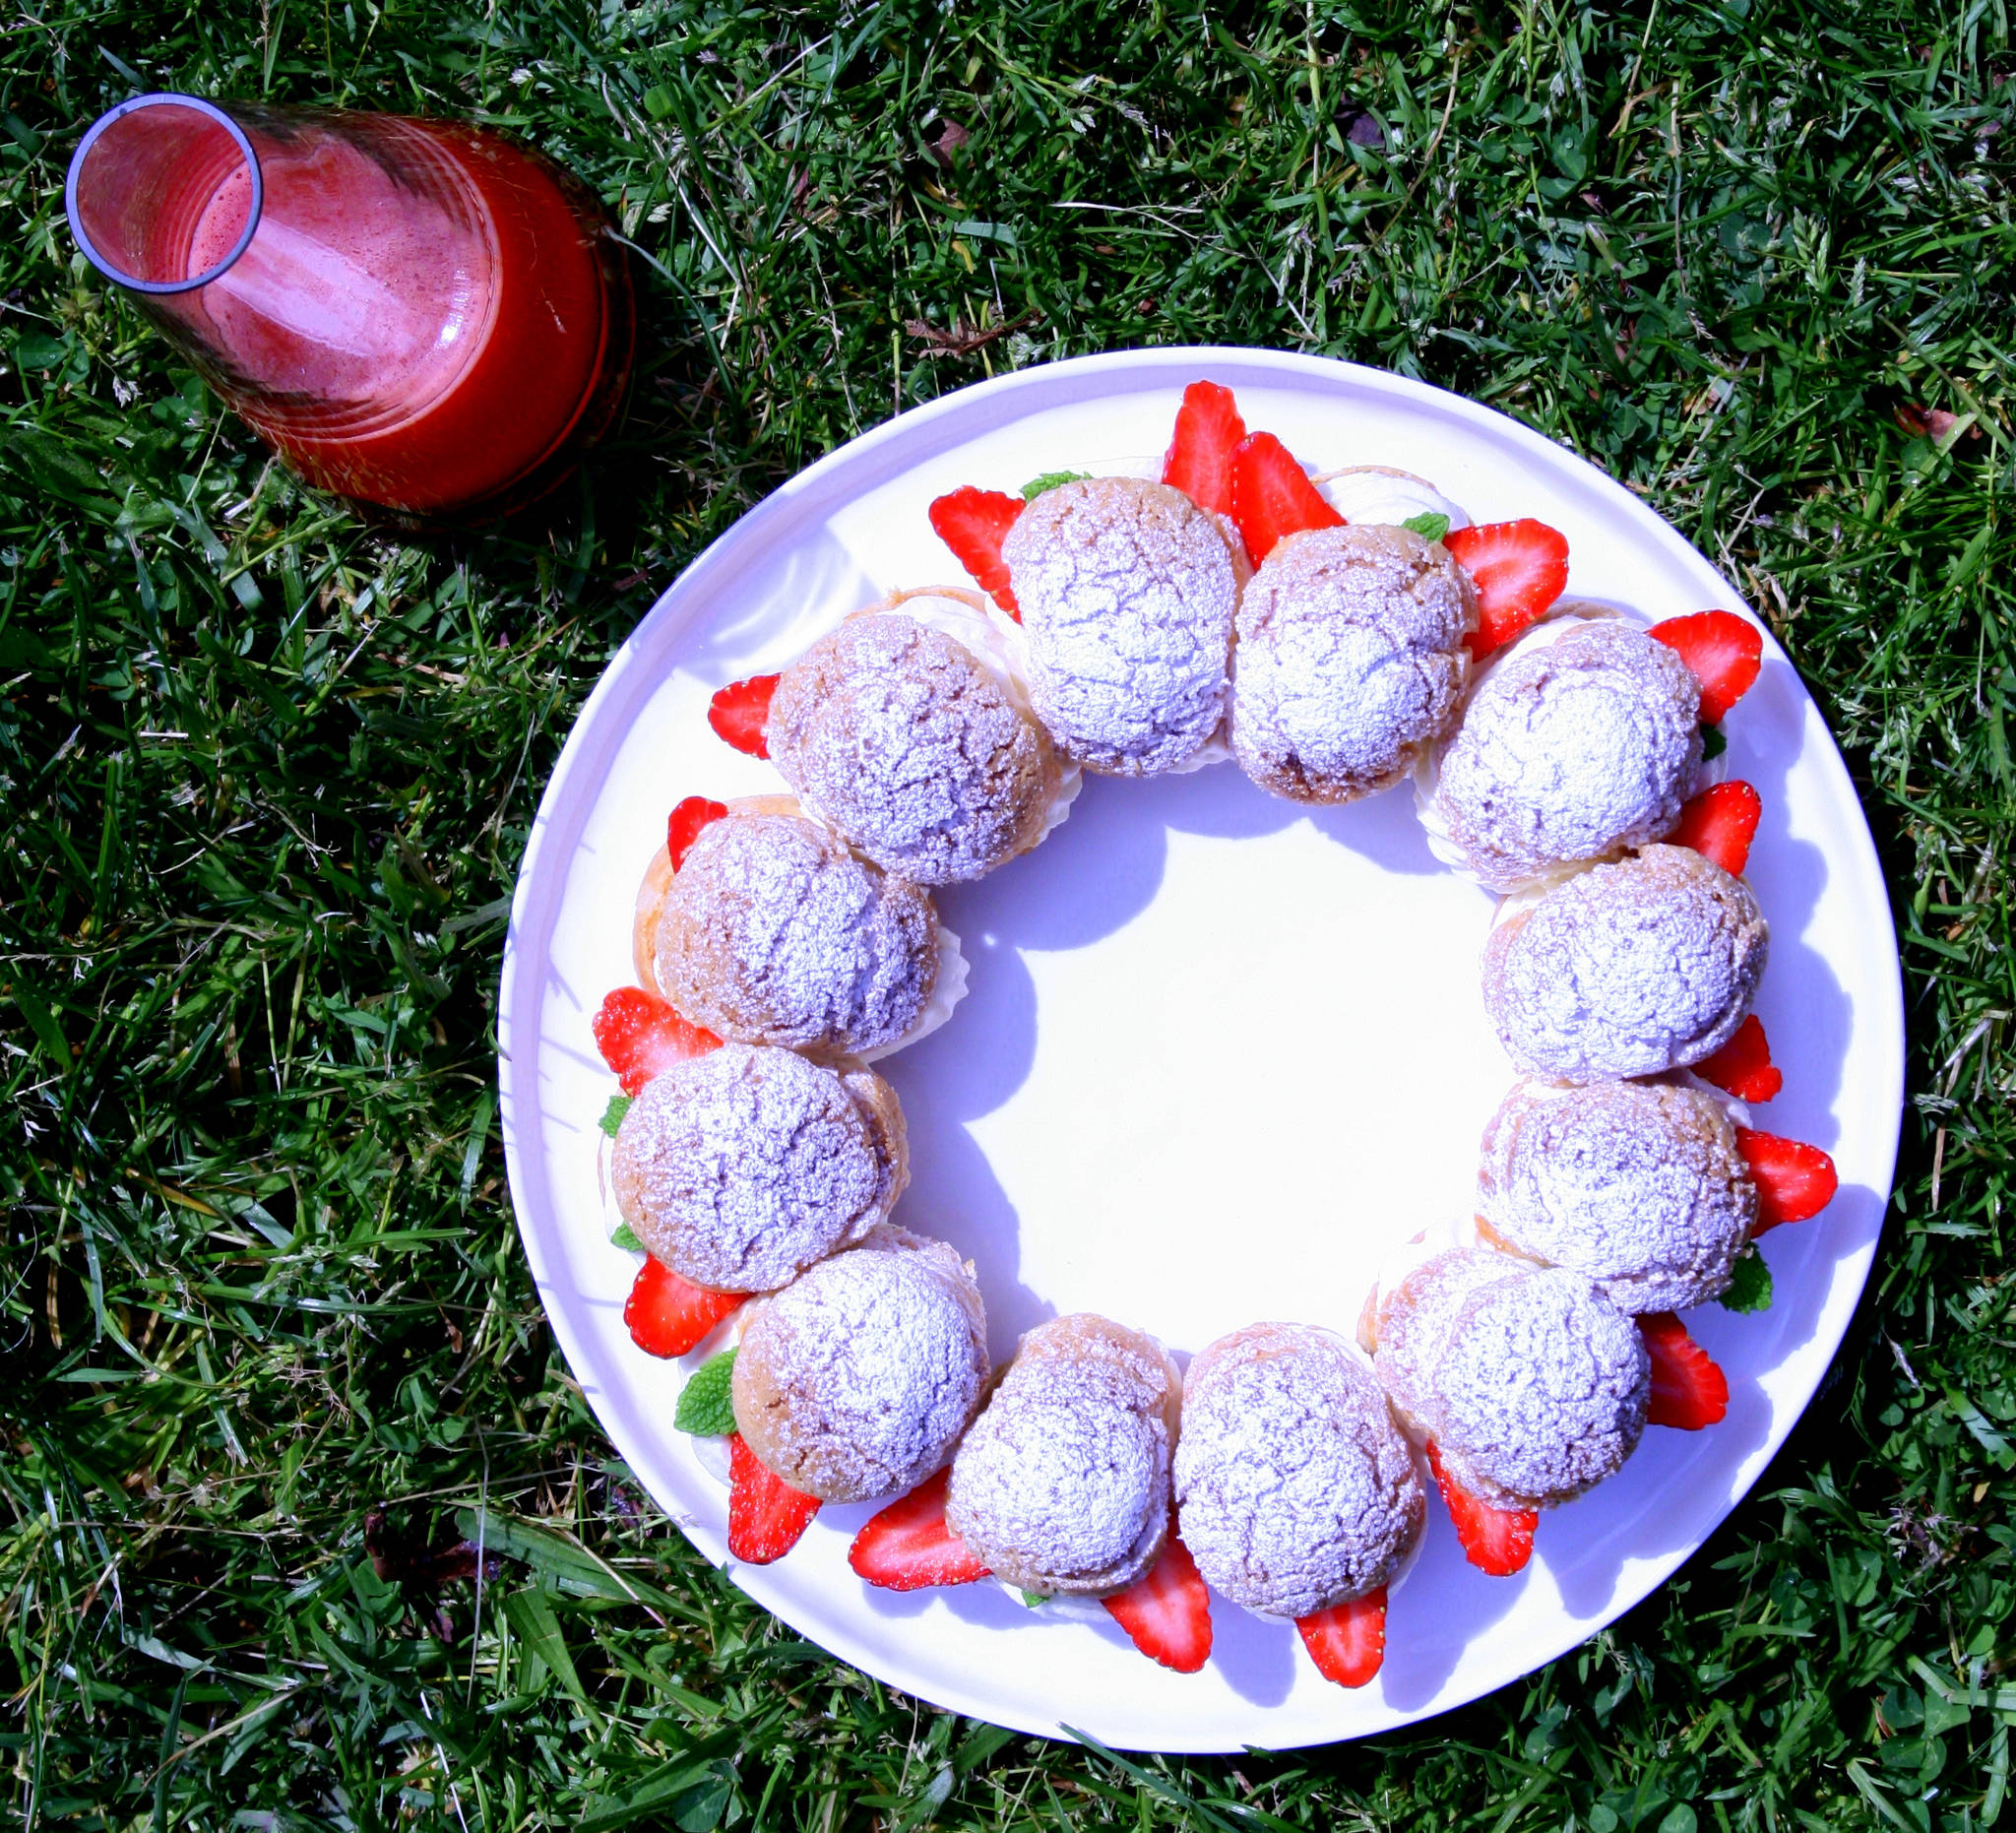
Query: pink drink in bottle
x=417 y=314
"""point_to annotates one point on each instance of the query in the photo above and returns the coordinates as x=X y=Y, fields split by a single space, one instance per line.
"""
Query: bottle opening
x=163 y=192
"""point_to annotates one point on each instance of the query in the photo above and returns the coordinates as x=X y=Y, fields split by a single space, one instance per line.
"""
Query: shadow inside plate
x=764 y=602
x=1801 y=999
x=1418 y=1666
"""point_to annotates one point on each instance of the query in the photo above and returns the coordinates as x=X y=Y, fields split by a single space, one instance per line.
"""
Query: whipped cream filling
x=1067 y=1607
x=1738 y=1111
x=1406 y=1258
x=1378 y=493
x=1563 y=617
x=1517 y=902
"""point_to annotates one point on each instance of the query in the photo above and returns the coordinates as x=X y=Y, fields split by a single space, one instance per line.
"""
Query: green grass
x=264 y=777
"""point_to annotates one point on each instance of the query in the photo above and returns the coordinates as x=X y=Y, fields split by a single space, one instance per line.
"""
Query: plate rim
x=935 y=428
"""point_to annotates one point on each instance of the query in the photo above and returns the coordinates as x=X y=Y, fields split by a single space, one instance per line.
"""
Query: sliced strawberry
x=684 y=829
x=973 y=524
x=741 y=714
x=1688 y=1389
x=1723 y=651
x=668 y=1315
x=1497 y=1541
x=1168 y=1614
x=1719 y=823
x=1347 y=1641
x=641 y=1036
x=766 y=1515
x=910 y=1544
x=1520 y=568
x=1199 y=461
x=1742 y=1066
x=1271 y=495
x=1793 y=1180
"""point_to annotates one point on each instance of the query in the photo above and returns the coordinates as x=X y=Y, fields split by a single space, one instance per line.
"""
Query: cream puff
x=1062 y=1483
x=740 y=1167
x=1579 y=743
x=1629 y=969
x=1295 y=1488
x=1127 y=592
x=1638 y=1186
x=857 y=1378
x=910 y=730
x=1529 y=1383
x=771 y=931
x=1350 y=660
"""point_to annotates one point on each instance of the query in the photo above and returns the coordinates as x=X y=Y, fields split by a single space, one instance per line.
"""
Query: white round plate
x=1221 y=1053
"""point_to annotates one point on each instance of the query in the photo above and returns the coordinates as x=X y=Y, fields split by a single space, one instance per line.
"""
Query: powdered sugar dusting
x=1062 y=1485
x=1295 y=1488
x=1574 y=750
x=910 y=751
x=1127 y=592
x=1350 y=660
x=774 y=933
x=948 y=988
x=1626 y=970
x=741 y=1168
x=1638 y=1186
x=1532 y=1385
x=857 y=1378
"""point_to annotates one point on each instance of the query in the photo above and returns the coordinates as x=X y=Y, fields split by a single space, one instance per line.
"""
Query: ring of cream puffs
x=932 y=738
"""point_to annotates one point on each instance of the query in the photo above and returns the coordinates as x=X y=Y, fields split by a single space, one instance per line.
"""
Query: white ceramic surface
x=1219 y=1054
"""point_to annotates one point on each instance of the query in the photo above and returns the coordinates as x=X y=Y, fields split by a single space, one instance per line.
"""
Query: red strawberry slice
x=910 y=1544
x=1520 y=568
x=641 y=1036
x=1719 y=823
x=741 y=714
x=1723 y=651
x=684 y=829
x=1347 y=1641
x=1742 y=1066
x=766 y=1515
x=973 y=522
x=1271 y=495
x=1199 y=461
x=1168 y=1614
x=1497 y=1541
x=668 y=1315
x=1688 y=1389
x=1793 y=1180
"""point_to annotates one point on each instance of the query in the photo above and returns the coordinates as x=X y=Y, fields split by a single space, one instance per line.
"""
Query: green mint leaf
x=1034 y=1598
x=612 y=1114
x=626 y=1239
x=705 y=1407
x=1713 y=743
x=1750 y=1286
x=1430 y=528
x=1049 y=480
